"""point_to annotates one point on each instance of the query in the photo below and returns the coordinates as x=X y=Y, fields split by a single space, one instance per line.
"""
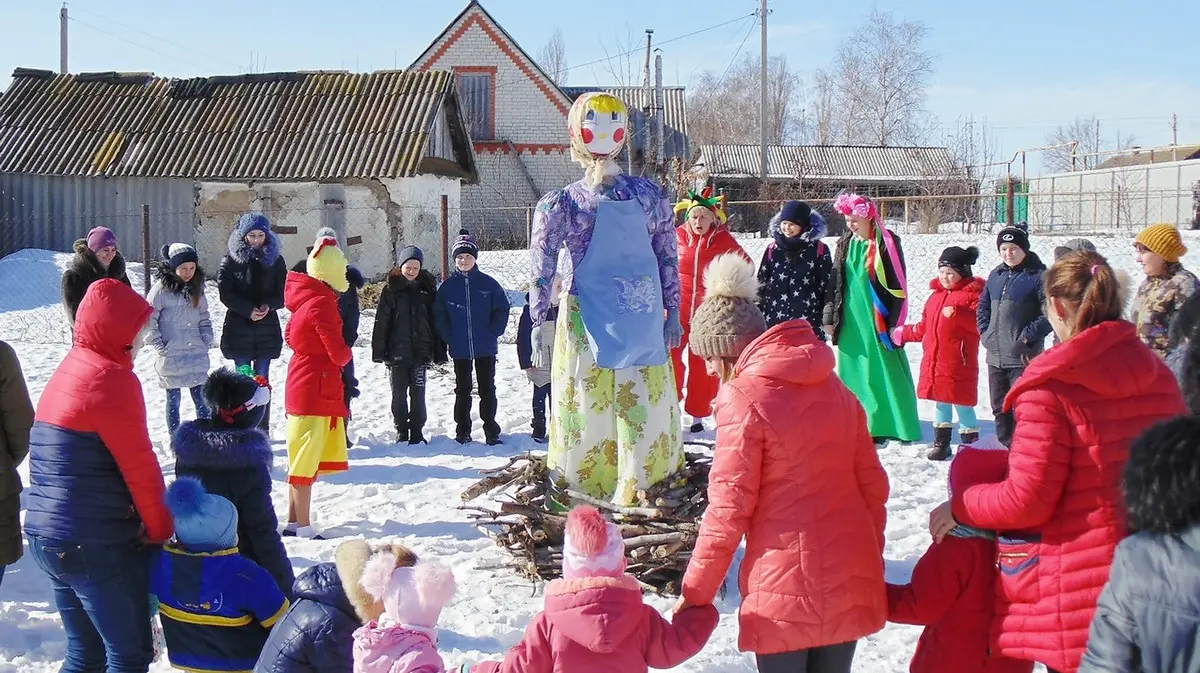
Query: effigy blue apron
x=618 y=288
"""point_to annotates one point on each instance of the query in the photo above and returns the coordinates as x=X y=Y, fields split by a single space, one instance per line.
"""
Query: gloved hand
x=898 y=336
x=541 y=349
x=673 y=330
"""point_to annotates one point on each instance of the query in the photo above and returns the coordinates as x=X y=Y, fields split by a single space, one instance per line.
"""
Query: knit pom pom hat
x=327 y=263
x=412 y=597
x=236 y=399
x=465 y=243
x=1017 y=234
x=959 y=259
x=177 y=254
x=593 y=546
x=728 y=319
x=1163 y=240
x=203 y=521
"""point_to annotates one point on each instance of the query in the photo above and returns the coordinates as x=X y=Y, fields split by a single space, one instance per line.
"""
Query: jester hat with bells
x=597 y=124
x=705 y=199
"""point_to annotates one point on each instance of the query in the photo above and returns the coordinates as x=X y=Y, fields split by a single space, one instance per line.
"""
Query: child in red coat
x=702 y=238
x=949 y=336
x=595 y=620
x=316 y=399
x=952 y=590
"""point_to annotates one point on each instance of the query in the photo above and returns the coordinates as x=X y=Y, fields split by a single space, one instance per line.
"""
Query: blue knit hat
x=410 y=252
x=464 y=243
x=253 y=222
x=179 y=253
x=203 y=522
x=797 y=212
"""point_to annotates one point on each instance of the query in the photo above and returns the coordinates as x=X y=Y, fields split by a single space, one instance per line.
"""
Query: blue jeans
x=173 y=399
x=944 y=415
x=101 y=592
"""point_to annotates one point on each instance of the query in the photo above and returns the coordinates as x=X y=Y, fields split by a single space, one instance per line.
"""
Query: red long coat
x=950 y=364
x=695 y=254
x=319 y=351
x=811 y=505
x=1078 y=408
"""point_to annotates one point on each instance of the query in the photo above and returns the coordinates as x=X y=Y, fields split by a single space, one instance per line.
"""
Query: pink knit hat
x=593 y=546
x=412 y=597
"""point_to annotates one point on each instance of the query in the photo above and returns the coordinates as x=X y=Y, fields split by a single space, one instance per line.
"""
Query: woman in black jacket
x=96 y=257
x=251 y=281
x=405 y=340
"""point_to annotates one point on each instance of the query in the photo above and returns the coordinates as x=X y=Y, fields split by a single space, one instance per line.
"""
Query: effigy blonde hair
x=598 y=169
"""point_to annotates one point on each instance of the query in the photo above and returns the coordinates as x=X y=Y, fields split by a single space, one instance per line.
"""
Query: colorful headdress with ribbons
x=885 y=268
x=705 y=199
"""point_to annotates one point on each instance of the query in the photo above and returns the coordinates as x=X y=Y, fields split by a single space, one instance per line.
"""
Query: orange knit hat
x=1163 y=240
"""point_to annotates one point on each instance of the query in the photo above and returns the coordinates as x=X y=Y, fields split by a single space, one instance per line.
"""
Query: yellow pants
x=316 y=446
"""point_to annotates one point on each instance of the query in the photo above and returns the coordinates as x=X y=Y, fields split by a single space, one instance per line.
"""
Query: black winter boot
x=968 y=437
x=941 y=443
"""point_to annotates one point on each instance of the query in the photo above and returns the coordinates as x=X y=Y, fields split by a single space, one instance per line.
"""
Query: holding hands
x=941 y=521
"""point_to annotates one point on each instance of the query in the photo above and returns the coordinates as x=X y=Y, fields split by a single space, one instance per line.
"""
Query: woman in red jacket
x=316 y=401
x=949 y=336
x=1078 y=407
x=811 y=506
x=701 y=237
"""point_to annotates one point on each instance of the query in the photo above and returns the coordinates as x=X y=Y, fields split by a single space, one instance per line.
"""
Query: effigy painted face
x=597 y=122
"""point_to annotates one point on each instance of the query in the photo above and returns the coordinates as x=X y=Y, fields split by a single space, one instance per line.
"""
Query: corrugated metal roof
x=831 y=162
x=676 y=143
x=274 y=126
x=1158 y=155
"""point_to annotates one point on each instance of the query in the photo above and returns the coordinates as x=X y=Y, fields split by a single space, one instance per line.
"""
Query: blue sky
x=1025 y=68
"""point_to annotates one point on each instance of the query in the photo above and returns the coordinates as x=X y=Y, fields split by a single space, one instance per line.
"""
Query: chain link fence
x=30 y=279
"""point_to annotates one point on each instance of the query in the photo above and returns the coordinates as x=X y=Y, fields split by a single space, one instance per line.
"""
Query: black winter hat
x=1017 y=234
x=236 y=400
x=464 y=243
x=410 y=252
x=959 y=259
x=797 y=212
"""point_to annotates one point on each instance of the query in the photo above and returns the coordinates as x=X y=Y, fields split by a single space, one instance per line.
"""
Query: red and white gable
x=507 y=99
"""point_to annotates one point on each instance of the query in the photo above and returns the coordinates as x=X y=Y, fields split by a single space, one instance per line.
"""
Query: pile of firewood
x=529 y=517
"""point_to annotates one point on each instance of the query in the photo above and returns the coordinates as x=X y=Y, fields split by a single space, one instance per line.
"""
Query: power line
x=136 y=44
x=160 y=39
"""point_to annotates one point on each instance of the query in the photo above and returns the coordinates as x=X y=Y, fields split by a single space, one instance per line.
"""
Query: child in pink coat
x=595 y=620
x=404 y=640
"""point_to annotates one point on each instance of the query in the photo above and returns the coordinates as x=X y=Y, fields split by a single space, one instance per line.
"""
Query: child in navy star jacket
x=796 y=267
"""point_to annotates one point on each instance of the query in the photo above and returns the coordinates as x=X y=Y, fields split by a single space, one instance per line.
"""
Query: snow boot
x=401 y=436
x=415 y=437
x=941 y=443
x=697 y=428
x=968 y=437
x=494 y=441
x=463 y=440
x=539 y=437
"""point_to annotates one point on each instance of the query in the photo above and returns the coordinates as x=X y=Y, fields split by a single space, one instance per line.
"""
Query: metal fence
x=29 y=279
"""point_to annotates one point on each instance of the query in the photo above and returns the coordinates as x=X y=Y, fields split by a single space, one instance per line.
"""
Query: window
x=475 y=90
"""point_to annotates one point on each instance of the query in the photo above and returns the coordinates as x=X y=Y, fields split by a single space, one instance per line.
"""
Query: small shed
x=371 y=155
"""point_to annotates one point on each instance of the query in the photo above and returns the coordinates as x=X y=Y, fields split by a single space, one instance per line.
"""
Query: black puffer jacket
x=85 y=269
x=250 y=278
x=404 y=332
x=317 y=633
x=348 y=303
x=16 y=420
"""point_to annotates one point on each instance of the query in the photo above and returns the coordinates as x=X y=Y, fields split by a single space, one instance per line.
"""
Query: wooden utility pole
x=659 y=144
x=762 y=103
x=647 y=106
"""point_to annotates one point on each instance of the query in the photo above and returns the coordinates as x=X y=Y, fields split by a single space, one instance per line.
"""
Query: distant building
x=517 y=116
x=370 y=155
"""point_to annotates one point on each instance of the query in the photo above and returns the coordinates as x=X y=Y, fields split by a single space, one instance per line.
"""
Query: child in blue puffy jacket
x=471 y=312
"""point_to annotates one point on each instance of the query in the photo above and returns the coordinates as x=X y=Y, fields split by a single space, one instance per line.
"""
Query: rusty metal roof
x=831 y=162
x=271 y=126
x=676 y=142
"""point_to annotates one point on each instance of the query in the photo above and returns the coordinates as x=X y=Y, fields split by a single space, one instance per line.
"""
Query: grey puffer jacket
x=179 y=332
x=1148 y=618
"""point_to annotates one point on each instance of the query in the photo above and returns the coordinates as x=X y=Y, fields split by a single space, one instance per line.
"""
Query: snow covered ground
x=410 y=494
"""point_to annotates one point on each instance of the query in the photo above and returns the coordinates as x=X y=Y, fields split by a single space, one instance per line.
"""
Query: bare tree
x=725 y=107
x=552 y=58
x=875 y=90
x=1080 y=144
x=623 y=59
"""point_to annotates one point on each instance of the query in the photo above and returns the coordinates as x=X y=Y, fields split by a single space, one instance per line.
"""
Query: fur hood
x=815 y=232
x=85 y=262
x=425 y=281
x=200 y=444
x=241 y=253
x=172 y=283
